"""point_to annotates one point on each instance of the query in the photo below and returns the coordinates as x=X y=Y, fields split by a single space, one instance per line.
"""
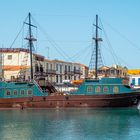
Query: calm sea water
x=70 y=124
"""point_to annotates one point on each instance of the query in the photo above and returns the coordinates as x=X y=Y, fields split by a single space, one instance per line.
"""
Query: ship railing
x=38 y=86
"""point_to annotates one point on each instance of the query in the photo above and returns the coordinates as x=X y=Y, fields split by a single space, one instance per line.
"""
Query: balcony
x=68 y=72
x=50 y=71
x=77 y=72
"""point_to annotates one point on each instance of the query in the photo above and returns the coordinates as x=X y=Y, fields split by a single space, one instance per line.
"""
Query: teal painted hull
x=30 y=95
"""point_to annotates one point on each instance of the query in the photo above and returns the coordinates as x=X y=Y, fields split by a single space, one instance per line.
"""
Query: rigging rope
x=109 y=45
x=53 y=43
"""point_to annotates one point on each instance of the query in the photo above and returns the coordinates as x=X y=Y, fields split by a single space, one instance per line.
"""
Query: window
x=47 y=65
x=29 y=92
x=60 y=78
x=22 y=92
x=68 y=68
x=98 y=89
x=8 y=92
x=105 y=89
x=41 y=68
x=65 y=67
x=133 y=81
x=12 y=78
x=9 y=57
x=115 y=89
x=15 y=92
x=89 y=89
x=56 y=67
x=138 y=81
x=74 y=68
x=60 y=68
x=56 y=78
x=36 y=68
x=51 y=66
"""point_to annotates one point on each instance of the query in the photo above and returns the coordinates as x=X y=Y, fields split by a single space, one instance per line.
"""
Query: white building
x=17 y=64
x=134 y=81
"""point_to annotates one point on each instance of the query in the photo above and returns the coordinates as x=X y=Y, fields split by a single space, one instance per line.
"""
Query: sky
x=65 y=29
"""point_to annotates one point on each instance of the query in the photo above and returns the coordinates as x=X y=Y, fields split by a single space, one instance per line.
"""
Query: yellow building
x=133 y=72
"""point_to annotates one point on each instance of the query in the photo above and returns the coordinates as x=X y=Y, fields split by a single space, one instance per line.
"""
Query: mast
x=30 y=39
x=97 y=39
x=30 y=46
x=96 y=44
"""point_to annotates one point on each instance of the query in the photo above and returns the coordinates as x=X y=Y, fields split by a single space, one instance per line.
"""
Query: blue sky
x=67 y=24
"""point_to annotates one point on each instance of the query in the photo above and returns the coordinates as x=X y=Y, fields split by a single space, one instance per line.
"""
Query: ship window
x=22 y=92
x=105 y=89
x=98 y=89
x=115 y=89
x=8 y=92
x=15 y=92
x=89 y=88
x=29 y=92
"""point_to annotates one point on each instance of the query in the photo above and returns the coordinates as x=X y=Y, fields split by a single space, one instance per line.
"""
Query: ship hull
x=67 y=101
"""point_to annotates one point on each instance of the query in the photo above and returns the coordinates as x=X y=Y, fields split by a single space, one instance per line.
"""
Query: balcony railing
x=68 y=72
x=77 y=72
x=50 y=71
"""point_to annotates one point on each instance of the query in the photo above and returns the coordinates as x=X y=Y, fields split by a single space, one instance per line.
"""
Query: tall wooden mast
x=31 y=39
x=97 y=39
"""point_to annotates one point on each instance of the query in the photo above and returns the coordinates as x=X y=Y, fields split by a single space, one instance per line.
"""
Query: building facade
x=16 y=65
x=113 y=71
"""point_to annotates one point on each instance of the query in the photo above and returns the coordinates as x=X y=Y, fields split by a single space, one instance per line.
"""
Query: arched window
x=30 y=92
x=89 y=89
x=15 y=92
x=105 y=89
x=22 y=92
x=8 y=92
x=98 y=89
x=115 y=89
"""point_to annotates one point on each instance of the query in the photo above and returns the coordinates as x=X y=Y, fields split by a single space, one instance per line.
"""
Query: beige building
x=113 y=71
x=16 y=64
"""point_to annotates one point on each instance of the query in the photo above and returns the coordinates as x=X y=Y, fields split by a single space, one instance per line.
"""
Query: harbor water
x=70 y=124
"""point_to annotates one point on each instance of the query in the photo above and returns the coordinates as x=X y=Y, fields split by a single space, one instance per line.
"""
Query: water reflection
x=70 y=124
